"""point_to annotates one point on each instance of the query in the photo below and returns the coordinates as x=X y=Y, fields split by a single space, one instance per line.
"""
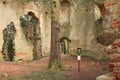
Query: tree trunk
x=55 y=58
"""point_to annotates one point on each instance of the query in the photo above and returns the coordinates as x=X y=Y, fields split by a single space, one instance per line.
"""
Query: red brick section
x=114 y=69
x=115 y=24
x=111 y=66
x=107 y=4
x=118 y=77
x=115 y=20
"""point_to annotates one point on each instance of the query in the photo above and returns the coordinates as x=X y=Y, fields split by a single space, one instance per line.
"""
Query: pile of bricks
x=114 y=60
x=114 y=68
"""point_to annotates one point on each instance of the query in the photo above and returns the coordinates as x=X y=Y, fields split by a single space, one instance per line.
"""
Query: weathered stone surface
x=115 y=67
x=105 y=77
x=106 y=38
x=79 y=16
x=114 y=57
x=111 y=21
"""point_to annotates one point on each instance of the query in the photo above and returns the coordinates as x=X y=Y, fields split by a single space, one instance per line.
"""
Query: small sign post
x=78 y=58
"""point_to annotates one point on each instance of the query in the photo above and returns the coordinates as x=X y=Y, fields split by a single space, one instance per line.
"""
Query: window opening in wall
x=65 y=44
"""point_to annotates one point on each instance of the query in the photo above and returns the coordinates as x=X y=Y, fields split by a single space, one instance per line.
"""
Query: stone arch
x=30 y=24
x=65 y=44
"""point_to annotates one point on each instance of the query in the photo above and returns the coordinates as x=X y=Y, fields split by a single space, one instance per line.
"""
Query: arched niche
x=30 y=25
x=65 y=44
x=65 y=13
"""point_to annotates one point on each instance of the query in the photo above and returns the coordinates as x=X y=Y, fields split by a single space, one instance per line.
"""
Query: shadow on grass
x=48 y=75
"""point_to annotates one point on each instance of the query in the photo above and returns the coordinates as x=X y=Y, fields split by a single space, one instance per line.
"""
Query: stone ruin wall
x=11 y=11
x=81 y=33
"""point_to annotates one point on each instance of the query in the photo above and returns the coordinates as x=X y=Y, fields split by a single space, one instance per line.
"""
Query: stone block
x=118 y=76
x=105 y=77
x=106 y=38
x=116 y=70
x=115 y=57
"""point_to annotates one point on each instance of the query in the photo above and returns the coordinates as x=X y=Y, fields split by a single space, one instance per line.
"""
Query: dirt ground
x=89 y=68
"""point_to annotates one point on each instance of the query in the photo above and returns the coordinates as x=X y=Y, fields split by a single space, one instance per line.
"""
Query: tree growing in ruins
x=55 y=58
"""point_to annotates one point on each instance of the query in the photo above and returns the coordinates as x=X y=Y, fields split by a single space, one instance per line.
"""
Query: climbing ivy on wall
x=28 y=25
x=8 y=45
